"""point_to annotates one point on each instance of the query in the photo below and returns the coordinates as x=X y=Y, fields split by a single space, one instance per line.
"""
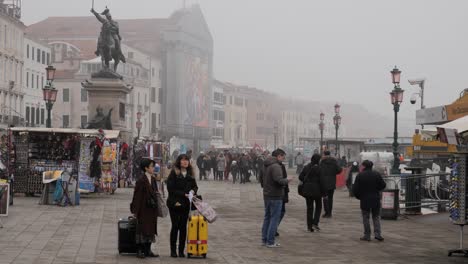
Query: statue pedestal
x=107 y=94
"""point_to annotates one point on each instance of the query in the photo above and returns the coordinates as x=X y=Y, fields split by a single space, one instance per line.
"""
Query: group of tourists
x=223 y=165
x=317 y=185
x=181 y=185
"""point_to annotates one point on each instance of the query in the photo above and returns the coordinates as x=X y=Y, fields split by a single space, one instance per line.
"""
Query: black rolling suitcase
x=126 y=232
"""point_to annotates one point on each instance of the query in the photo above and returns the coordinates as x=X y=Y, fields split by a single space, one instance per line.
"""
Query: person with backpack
x=313 y=188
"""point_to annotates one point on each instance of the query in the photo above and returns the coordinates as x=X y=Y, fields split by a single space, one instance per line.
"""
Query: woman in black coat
x=144 y=208
x=313 y=191
x=180 y=183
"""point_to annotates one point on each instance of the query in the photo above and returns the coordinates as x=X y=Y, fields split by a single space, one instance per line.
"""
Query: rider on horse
x=109 y=36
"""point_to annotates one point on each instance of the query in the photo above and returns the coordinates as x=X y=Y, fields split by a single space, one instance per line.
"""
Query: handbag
x=205 y=210
x=300 y=188
x=162 y=210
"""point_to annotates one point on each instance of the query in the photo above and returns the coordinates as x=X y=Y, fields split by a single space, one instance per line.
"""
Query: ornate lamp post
x=275 y=132
x=139 y=124
x=49 y=93
x=337 y=122
x=396 y=96
x=321 y=127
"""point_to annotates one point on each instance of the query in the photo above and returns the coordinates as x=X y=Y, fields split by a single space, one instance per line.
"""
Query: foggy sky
x=328 y=50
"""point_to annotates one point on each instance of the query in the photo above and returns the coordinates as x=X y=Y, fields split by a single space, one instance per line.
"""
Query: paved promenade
x=87 y=233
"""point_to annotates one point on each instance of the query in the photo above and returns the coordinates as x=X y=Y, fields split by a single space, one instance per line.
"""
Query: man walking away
x=273 y=193
x=367 y=188
x=299 y=163
x=328 y=170
x=201 y=165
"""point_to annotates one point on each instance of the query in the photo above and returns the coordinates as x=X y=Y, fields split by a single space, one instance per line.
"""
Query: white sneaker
x=276 y=245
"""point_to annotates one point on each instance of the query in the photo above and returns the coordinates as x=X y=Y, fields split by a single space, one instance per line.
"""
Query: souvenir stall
x=88 y=154
x=99 y=161
x=160 y=153
x=36 y=150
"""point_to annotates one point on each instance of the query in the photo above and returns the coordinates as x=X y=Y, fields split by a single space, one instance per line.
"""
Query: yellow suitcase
x=197 y=240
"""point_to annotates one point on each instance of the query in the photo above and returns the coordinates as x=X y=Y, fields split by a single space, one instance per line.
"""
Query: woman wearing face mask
x=180 y=183
x=144 y=208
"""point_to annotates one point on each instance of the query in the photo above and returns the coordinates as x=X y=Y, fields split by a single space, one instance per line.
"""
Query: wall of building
x=11 y=69
x=37 y=57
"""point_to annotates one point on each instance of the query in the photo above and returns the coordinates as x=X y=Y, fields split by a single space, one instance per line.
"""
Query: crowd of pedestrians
x=317 y=184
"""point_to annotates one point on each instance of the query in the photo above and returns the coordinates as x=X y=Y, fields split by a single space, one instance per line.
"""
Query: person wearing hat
x=367 y=188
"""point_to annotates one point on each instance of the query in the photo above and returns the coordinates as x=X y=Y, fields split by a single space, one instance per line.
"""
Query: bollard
x=413 y=191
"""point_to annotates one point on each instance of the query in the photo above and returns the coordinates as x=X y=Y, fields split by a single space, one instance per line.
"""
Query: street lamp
x=275 y=132
x=419 y=82
x=321 y=127
x=139 y=124
x=49 y=93
x=396 y=96
x=337 y=122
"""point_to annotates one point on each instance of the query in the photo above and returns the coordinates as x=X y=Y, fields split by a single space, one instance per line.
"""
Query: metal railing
x=421 y=191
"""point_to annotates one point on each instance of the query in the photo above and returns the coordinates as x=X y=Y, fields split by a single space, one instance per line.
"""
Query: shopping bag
x=162 y=210
x=205 y=209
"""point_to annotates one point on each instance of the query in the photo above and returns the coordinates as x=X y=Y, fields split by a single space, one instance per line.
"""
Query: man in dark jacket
x=367 y=188
x=273 y=193
x=329 y=169
x=201 y=164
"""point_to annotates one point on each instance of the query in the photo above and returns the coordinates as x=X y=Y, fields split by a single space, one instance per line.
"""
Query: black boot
x=181 y=252
x=141 y=252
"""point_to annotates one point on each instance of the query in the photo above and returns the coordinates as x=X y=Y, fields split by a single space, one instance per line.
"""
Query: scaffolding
x=11 y=7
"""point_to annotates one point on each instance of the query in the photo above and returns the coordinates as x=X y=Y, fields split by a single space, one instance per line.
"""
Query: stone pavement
x=87 y=233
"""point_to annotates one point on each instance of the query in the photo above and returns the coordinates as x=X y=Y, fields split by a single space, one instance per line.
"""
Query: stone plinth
x=109 y=94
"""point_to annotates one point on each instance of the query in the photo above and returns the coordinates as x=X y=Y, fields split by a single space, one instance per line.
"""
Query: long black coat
x=146 y=217
x=329 y=168
x=315 y=186
x=367 y=188
x=177 y=187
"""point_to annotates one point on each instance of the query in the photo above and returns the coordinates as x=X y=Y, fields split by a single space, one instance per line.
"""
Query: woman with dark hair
x=144 y=208
x=181 y=184
x=313 y=190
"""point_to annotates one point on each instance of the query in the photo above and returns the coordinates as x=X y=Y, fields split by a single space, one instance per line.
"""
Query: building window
x=84 y=95
x=37 y=81
x=33 y=115
x=159 y=119
x=32 y=80
x=84 y=121
x=48 y=58
x=153 y=123
x=66 y=95
x=230 y=100
x=218 y=98
x=32 y=53
x=218 y=115
x=152 y=72
x=38 y=115
x=42 y=80
x=27 y=51
x=42 y=116
x=27 y=114
x=66 y=121
x=153 y=95
x=27 y=79
x=238 y=101
x=43 y=57
x=38 y=55
x=160 y=95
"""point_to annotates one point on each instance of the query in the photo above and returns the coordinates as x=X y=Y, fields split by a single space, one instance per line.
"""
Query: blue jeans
x=271 y=220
